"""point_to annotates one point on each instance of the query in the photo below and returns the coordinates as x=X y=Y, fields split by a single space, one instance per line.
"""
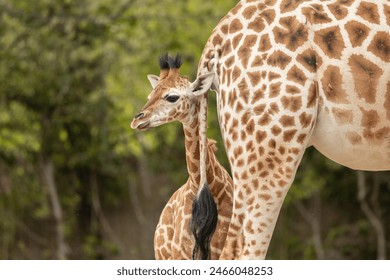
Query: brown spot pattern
x=342 y=116
x=229 y=62
x=292 y=89
x=236 y=72
x=311 y=98
x=301 y=138
x=272 y=145
x=248 y=227
x=338 y=10
x=264 y=120
x=357 y=32
x=366 y=75
x=316 y=14
x=243 y=90
x=249 y=12
x=290 y=5
x=259 y=109
x=296 y=75
x=370 y=119
x=292 y=33
x=235 y=26
x=236 y=9
x=373 y=137
x=244 y=119
x=369 y=12
x=273 y=76
x=268 y=15
x=287 y=121
x=254 y=78
x=380 y=46
x=225 y=29
x=387 y=13
x=257 y=24
x=276 y=130
x=354 y=138
x=292 y=103
x=260 y=136
x=250 y=127
x=245 y=51
x=289 y=135
x=237 y=40
x=217 y=40
x=259 y=94
x=332 y=85
x=273 y=108
x=265 y=197
x=226 y=48
x=274 y=89
x=330 y=41
x=265 y=43
x=309 y=60
x=279 y=59
x=257 y=61
x=305 y=120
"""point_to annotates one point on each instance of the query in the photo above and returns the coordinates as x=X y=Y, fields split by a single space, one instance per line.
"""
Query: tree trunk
x=313 y=219
x=135 y=202
x=48 y=172
x=97 y=209
x=371 y=216
x=5 y=185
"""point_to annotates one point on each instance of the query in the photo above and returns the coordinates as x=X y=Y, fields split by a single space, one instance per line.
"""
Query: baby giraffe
x=172 y=99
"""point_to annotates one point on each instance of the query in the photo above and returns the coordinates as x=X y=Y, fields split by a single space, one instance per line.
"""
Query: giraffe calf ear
x=202 y=84
x=153 y=79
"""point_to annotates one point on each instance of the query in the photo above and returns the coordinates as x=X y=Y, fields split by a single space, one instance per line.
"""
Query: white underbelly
x=350 y=144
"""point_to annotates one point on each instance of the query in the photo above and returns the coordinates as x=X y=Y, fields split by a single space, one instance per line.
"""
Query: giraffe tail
x=203 y=223
x=204 y=210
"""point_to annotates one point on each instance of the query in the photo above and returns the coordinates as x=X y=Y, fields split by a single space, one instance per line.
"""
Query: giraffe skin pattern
x=290 y=74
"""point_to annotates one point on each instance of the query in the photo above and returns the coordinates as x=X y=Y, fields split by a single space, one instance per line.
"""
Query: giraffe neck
x=192 y=146
x=191 y=140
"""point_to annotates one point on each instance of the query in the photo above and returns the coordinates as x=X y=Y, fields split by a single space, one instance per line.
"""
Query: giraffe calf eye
x=172 y=98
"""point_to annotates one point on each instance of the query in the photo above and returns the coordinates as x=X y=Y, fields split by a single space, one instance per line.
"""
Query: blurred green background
x=77 y=183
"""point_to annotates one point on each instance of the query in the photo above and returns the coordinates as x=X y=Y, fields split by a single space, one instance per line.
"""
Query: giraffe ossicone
x=175 y=98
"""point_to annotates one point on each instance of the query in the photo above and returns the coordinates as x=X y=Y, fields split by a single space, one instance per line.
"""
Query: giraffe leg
x=264 y=146
x=257 y=203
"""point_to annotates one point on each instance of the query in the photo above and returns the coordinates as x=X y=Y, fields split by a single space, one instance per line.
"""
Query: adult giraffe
x=289 y=75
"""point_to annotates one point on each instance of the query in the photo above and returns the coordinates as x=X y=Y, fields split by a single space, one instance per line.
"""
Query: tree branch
x=47 y=168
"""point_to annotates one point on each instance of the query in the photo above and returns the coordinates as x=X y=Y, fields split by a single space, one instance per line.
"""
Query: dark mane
x=175 y=62
x=163 y=61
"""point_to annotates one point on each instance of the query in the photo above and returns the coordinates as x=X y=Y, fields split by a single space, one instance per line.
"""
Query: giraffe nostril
x=138 y=116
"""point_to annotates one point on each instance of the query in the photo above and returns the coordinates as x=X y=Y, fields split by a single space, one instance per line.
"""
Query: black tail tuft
x=203 y=223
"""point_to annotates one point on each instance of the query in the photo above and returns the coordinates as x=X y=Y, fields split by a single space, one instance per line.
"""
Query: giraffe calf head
x=173 y=97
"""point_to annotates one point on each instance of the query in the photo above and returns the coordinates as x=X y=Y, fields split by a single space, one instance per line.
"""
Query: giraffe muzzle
x=143 y=126
x=138 y=116
x=140 y=126
x=139 y=123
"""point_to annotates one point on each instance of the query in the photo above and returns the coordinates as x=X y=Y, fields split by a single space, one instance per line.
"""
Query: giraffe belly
x=351 y=145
